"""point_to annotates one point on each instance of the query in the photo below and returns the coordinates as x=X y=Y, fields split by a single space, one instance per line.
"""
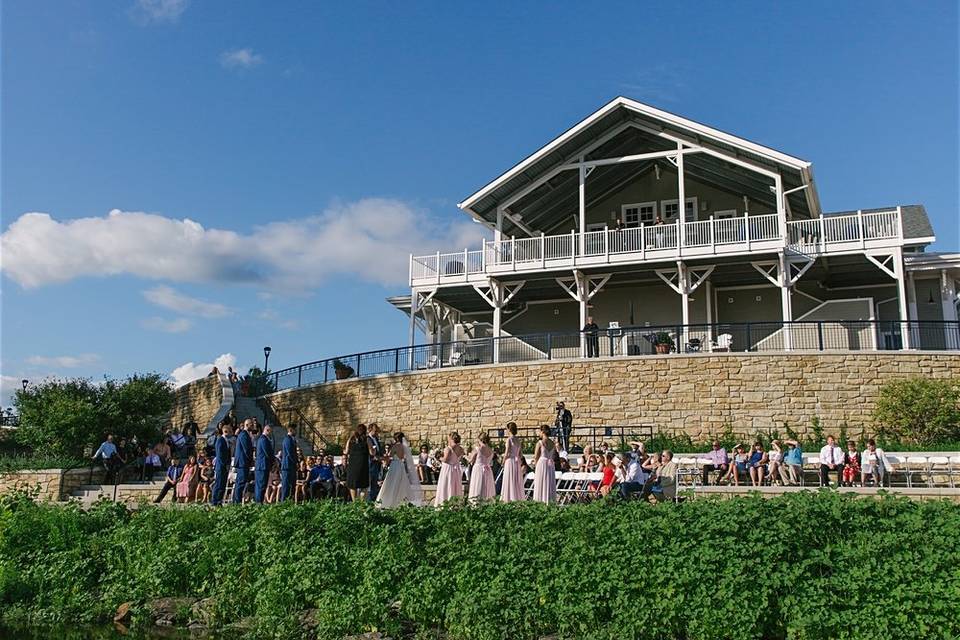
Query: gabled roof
x=570 y=144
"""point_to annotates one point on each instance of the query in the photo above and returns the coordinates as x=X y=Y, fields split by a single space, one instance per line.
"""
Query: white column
x=708 y=294
x=948 y=297
x=413 y=326
x=496 y=329
x=498 y=232
x=684 y=283
x=781 y=210
x=583 y=207
x=786 y=304
x=902 y=298
x=583 y=292
x=681 y=196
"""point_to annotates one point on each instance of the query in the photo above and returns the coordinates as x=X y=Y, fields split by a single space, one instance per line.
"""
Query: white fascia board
x=641 y=108
x=536 y=155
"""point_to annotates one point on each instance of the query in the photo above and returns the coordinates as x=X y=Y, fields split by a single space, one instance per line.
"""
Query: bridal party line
x=240 y=465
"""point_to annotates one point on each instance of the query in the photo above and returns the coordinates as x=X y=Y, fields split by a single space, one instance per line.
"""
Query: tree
x=61 y=417
x=919 y=410
x=259 y=383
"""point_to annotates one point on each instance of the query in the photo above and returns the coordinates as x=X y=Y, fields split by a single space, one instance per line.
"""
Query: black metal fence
x=742 y=337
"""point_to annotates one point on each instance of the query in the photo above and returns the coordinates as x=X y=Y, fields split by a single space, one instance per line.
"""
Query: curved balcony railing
x=743 y=337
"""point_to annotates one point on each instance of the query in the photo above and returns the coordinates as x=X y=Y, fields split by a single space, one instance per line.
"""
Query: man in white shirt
x=831 y=459
x=873 y=463
x=633 y=478
x=109 y=457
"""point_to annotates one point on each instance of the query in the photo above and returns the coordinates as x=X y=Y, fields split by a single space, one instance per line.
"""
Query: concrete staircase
x=129 y=493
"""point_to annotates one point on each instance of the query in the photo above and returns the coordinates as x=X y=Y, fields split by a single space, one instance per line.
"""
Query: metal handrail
x=746 y=337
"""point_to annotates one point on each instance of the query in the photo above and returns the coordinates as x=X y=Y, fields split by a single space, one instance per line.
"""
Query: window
x=726 y=214
x=668 y=210
x=634 y=214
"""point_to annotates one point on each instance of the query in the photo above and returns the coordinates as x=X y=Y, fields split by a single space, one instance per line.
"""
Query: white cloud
x=169 y=298
x=189 y=371
x=9 y=385
x=275 y=319
x=157 y=11
x=240 y=59
x=370 y=239
x=63 y=362
x=177 y=325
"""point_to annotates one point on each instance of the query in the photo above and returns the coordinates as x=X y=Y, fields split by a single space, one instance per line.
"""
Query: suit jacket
x=565 y=419
x=221 y=452
x=265 y=456
x=288 y=451
x=243 y=455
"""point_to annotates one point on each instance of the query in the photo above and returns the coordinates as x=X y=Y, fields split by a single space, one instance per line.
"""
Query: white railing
x=699 y=238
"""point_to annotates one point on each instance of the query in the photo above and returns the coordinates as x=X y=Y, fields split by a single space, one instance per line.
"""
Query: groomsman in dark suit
x=288 y=463
x=376 y=455
x=265 y=460
x=221 y=464
x=242 y=457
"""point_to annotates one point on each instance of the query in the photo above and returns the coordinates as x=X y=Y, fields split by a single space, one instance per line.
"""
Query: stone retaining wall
x=53 y=484
x=697 y=394
x=199 y=400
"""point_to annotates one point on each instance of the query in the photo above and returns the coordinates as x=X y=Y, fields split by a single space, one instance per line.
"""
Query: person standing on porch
x=265 y=460
x=376 y=460
x=592 y=333
x=831 y=459
x=288 y=463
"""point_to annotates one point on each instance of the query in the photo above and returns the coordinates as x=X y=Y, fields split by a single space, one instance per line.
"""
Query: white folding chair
x=954 y=470
x=915 y=465
x=456 y=359
x=528 y=485
x=939 y=466
x=814 y=462
x=899 y=462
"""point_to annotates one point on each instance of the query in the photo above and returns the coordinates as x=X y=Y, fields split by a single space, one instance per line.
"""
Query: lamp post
x=266 y=358
x=24 y=382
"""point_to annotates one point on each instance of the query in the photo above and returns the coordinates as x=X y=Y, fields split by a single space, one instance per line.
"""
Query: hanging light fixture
x=930 y=298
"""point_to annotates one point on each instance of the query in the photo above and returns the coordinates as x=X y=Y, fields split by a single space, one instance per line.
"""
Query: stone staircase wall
x=199 y=400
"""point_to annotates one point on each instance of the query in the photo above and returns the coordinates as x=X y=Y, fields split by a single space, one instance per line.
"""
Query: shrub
x=61 y=417
x=504 y=570
x=919 y=410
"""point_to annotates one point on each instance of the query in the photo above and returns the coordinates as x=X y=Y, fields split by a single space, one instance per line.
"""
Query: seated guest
x=663 y=484
x=874 y=464
x=792 y=469
x=341 y=491
x=424 y=465
x=151 y=464
x=561 y=462
x=831 y=459
x=633 y=478
x=177 y=442
x=272 y=494
x=719 y=463
x=609 y=475
x=321 y=481
x=303 y=470
x=851 y=464
x=170 y=482
x=162 y=449
x=775 y=462
x=585 y=458
x=739 y=466
x=757 y=464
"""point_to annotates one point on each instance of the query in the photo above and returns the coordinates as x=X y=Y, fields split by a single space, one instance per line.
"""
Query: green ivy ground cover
x=806 y=565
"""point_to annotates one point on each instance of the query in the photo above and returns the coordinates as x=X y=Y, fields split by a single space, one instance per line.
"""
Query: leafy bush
x=802 y=565
x=61 y=417
x=919 y=410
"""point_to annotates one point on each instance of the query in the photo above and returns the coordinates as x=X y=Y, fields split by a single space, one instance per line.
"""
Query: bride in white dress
x=401 y=486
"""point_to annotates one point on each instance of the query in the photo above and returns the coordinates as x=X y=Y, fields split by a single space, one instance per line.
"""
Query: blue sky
x=311 y=146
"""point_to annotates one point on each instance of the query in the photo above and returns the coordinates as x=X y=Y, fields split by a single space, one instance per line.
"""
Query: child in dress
x=851 y=464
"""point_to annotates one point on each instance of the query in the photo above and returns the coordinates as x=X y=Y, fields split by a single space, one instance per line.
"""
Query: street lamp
x=266 y=358
x=24 y=382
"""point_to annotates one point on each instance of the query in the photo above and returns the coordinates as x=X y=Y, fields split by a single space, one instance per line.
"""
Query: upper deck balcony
x=742 y=235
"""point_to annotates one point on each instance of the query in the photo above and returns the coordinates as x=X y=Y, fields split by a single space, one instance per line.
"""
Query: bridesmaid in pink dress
x=482 y=484
x=511 y=490
x=187 y=486
x=450 y=481
x=544 y=475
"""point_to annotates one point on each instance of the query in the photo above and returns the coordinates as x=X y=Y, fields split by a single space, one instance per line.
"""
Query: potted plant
x=341 y=369
x=662 y=342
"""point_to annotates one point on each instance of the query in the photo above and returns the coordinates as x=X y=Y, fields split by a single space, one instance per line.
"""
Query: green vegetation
x=61 y=417
x=807 y=565
x=20 y=462
x=919 y=410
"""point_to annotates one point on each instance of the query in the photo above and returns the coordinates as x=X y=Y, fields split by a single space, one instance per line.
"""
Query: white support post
x=781 y=209
x=708 y=294
x=513 y=253
x=823 y=236
x=438 y=267
x=543 y=250
x=902 y=299
x=643 y=241
x=912 y=313
x=583 y=207
x=863 y=240
x=786 y=304
x=498 y=232
x=496 y=328
x=713 y=246
x=746 y=229
x=684 y=283
x=413 y=325
x=681 y=196
x=466 y=264
x=948 y=298
x=583 y=286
